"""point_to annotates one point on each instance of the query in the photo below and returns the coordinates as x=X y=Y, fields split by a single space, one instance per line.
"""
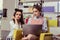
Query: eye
x=34 y=11
x=18 y=14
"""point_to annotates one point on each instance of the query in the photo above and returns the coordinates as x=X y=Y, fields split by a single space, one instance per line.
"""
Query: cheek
x=38 y=13
x=17 y=16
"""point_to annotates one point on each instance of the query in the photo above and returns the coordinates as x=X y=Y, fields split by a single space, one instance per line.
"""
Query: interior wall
x=10 y=5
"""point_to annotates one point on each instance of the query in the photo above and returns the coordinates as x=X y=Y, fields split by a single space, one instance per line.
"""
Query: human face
x=36 y=12
x=18 y=15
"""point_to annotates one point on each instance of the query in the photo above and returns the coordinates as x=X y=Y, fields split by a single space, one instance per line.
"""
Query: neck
x=37 y=16
x=18 y=21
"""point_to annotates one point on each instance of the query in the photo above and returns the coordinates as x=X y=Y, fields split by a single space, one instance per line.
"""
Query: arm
x=45 y=25
x=29 y=21
x=12 y=27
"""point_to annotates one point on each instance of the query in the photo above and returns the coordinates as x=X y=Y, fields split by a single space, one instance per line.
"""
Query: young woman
x=16 y=22
x=36 y=19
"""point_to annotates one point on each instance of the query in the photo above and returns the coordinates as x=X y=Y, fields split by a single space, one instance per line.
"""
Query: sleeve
x=29 y=21
x=45 y=25
x=12 y=27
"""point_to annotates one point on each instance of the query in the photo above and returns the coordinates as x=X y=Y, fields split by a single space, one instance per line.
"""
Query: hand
x=25 y=38
x=16 y=21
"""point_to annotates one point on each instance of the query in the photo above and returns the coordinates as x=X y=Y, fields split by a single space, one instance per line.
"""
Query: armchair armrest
x=17 y=35
x=43 y=36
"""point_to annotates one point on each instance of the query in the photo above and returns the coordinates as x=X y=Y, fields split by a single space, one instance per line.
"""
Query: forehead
x=34 y=9
x=18 y=12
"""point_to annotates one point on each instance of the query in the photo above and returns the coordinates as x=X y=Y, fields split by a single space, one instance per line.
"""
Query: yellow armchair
x=46 y=36
x=17 y=35
x=43 y=36
x=53 y=23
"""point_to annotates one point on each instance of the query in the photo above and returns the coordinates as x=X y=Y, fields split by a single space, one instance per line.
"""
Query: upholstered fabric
x=46 y=36
x=17 y=35
x=52 y=23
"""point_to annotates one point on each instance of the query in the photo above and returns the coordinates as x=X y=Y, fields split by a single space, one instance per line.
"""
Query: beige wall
x=10 y=5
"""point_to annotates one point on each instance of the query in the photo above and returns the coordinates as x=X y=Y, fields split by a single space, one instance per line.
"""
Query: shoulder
x=11 y=22
x=30 y=18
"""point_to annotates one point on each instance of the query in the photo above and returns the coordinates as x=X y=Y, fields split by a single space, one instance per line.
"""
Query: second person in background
x=36 y=19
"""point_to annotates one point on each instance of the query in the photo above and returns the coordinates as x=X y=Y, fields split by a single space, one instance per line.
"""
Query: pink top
x=40 y=20
x=37 y=21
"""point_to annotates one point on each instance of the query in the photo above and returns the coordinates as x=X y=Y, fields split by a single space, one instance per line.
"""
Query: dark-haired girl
x=16 y=22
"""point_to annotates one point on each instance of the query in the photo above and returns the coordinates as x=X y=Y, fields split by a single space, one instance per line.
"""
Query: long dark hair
x=21 y=20
x=38 y=7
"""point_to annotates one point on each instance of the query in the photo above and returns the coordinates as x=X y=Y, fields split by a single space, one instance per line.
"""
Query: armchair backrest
x=52 y=23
